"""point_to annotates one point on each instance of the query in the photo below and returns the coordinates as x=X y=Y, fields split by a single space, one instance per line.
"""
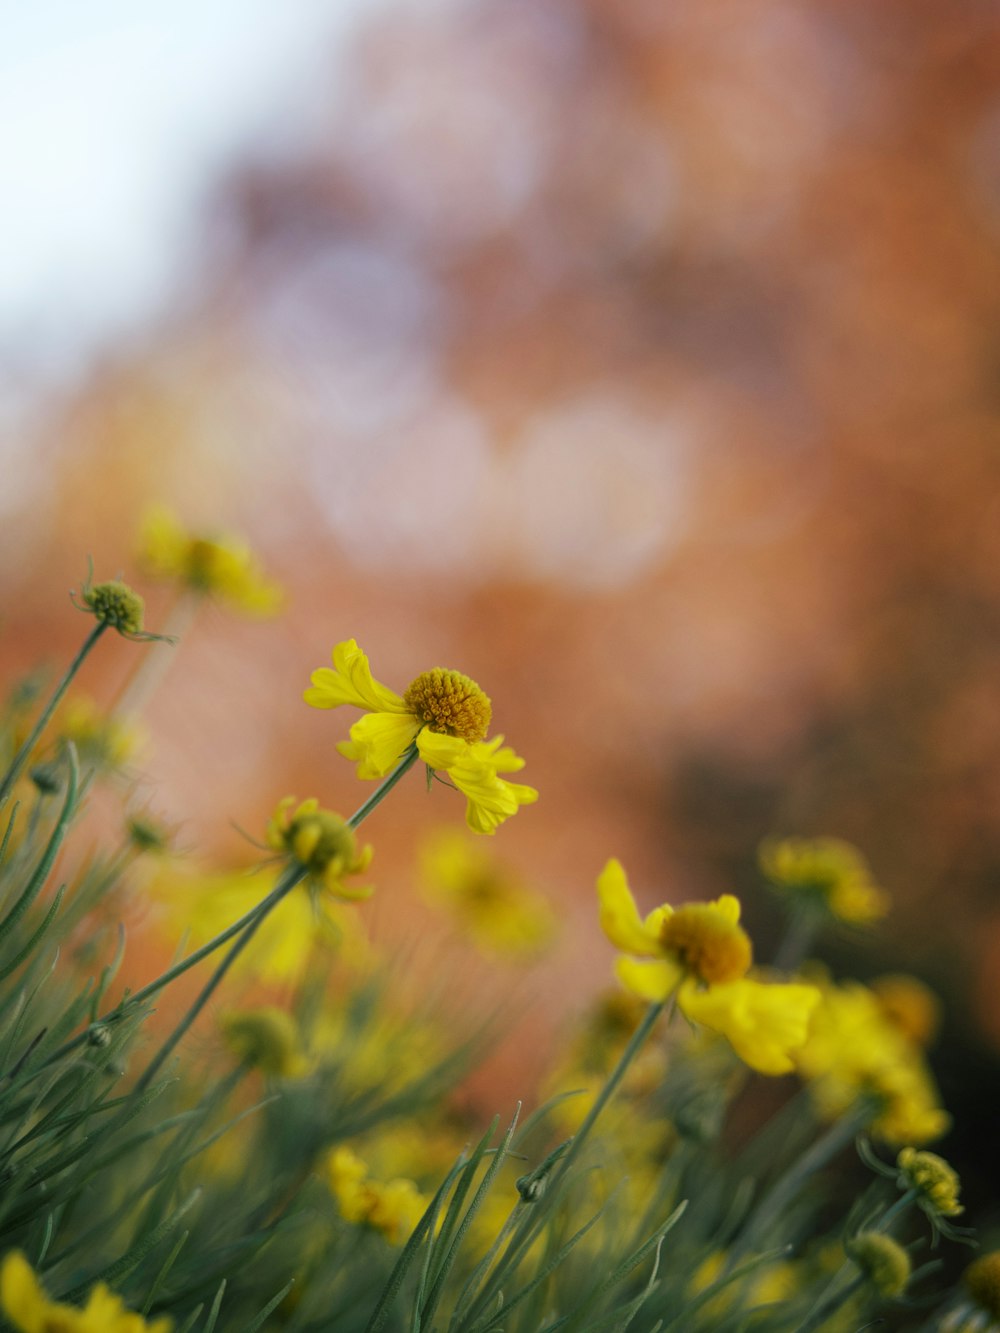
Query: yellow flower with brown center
x=444 y=713
x=322 y=843
x=700 y=953
x=486 y=899
x=827 y=872
x=216 y=565
x=29 y=1310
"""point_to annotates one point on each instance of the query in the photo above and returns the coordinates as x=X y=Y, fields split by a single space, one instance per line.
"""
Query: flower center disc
x=714 y=949
x=450 y=703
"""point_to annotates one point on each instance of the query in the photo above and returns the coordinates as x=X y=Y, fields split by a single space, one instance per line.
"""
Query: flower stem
x=249 y=922
x=149 y=673
x=384 y=788
x=23 y=754
x=785 y=1188
x=822 y=1312
x=292 y=876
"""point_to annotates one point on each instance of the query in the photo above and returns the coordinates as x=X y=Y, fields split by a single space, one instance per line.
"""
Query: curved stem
x=149 y=673
x=24 y=753
x=384 y=788
x=289 y=880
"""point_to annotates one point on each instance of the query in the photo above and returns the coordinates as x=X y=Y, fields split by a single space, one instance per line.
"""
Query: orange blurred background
x=637 y=359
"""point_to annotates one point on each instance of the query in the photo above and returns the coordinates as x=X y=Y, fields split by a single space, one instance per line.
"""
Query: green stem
x=384 y=788
x=151 y=670
x=292 y=876
x=802 y=931
x=248 y=922
x=822 y=1312
x=24 y=753
x=901 y=1204
x=787 y=1186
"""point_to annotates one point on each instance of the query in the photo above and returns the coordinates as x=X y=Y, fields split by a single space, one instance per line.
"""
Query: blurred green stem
x=24 y=753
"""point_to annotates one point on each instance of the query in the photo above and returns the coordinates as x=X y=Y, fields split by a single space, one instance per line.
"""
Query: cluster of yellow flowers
x=29 y=1310
x=391 y=1207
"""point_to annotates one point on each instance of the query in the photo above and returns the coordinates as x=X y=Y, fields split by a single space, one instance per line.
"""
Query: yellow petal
x=653 y=981
x=472 y=769
x=728 y=907
x=761 y=1023
x=379 y=740
x=619 y=915
x=163 y=543
x=351 y=682
x=21 y=1295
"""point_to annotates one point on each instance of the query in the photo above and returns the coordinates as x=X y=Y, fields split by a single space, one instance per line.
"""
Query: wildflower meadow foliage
x=305 y=1166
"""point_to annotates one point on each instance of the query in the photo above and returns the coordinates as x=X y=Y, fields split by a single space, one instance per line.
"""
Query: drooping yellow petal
x=654 y=981
x=762 y=1023
x=472 y=768
x=21 y=1295
x=619 y=915
x=351 y=682
x=379 y=740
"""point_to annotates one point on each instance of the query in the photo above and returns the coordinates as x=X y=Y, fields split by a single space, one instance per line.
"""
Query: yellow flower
x=445 y=713
x=700 y=953
x=909 y=1005
x=828 y=872
x=500 y=914
x=216 y=566
x=392 y=1207
x=28 y=1308
x=322 y=843
x=982 y=1278
x=100 y=737
x=933 y=1178
x=267 y=1039
x=853 y=1050
x=203 y=903
x=882 y=1260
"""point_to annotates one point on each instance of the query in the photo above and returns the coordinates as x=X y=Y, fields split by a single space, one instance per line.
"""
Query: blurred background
x=639 y=359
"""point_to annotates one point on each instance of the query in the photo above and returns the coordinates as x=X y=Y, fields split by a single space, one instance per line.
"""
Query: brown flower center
x=450 y=703
x=710 y=946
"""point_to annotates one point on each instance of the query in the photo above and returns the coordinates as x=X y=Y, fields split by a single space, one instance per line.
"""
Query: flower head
x=486 y=899
x=322 y=843
x=854 y=1051
x=267 y=1039
x=444 y=713
x=827 y=873
x=883 y=1261
x=909 y=1005
x=100 y=737
x=29 y=1310
x=982 y=1278
x=214 y=566
x=935 y=1181
x=392 y=1207
x=700 y=953
x=116 y=605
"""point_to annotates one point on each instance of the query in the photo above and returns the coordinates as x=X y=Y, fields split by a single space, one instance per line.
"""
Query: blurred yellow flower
x=266 y=1039
x=853 y=1050
x=500 y=914
x=700 y=953
x=826 y=872
x=202 y=903
x=392 y=1207
x=100 y=737
x=322 y=843
x=28 y=1308
x=445 y=713
x=216 y=566
x=909 y=1005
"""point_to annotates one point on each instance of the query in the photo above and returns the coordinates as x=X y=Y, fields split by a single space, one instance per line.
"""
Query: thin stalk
x=24 y=753
x=900 y=1206
x=802 y=931
x=249 y=921
x=148 y=676
x=822 y=1312
x=292 y=876
x=384 y=788
x=787 y=1186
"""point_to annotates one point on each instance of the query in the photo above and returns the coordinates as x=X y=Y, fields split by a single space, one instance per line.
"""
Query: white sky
x=114 y=115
